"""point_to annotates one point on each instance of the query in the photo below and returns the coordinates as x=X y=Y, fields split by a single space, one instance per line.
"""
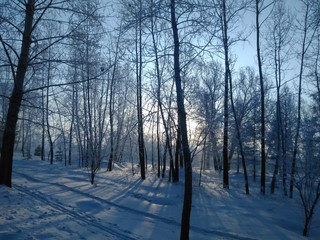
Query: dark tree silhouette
x=16 y=98
x=182 y=121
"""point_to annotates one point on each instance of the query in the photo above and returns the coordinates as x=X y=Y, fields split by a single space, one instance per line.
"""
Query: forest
x=222 y=85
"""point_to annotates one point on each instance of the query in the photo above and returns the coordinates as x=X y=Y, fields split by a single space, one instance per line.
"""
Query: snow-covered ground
x=55 y=202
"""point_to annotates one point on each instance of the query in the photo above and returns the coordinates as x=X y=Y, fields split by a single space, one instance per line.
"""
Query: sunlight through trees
x=158 y=84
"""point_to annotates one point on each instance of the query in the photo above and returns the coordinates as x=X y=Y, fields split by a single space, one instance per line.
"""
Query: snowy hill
x=57 y=202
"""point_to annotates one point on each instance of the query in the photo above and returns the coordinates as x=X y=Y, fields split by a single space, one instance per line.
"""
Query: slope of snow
x=55 y=202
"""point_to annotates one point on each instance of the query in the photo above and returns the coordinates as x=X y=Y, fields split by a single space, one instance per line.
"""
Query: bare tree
x=139 y=67
x=308 y=26
x=260 y=7
x=17 y=94
x=209 y=93
x=160 y=112
x=280 y=28
x=182 y=121
x=307 y=177
x=308 y=187
x=35 y=14
x=93 y=91
x=229 y=14
x=112 y=101
x=227 y=75
x=4 y=101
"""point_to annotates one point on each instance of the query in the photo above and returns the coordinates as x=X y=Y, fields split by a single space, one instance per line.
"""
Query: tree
x=307 y=177
x=209 y=94
x=112 y=102
x=89 y=37
x=17 y=94
x=309 y=26
x=35 y=13
x=227 y=75
x=182 y=121
x=306 y=146
x=280 y=28
x=228 y=14
x=47 y=80
x=139 y=67
x=4 y=101
x=308 y=187
x=260 y=7
x=160 y=112
x=243 y=106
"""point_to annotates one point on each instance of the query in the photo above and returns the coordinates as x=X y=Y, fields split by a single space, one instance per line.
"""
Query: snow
x=57 y=202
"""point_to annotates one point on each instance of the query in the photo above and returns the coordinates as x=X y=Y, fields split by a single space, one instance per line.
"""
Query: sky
x=246 y=51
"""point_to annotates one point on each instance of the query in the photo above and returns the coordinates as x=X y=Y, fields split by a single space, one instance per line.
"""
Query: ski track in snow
x=90 y=220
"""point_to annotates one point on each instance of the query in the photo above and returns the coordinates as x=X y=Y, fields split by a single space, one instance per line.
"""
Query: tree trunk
x=262 y=116
x=23 y=142
x=43 y=124
x=72 y=123
x=279 y=32
x=111 y=107
x=177 y=156
x=15 y=99
x=226 y=107
x=47 y=115
x=164 y=159
x=160 y=109
x=254 y=145
x=182 y=121
x=139 y=95
x=243 y=160
x=158 y=145
x=278 y=116
x=111 y=115
x=203 y=157
x=296 y=138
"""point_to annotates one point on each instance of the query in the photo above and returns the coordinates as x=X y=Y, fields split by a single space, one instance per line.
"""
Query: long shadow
x=151 y=195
